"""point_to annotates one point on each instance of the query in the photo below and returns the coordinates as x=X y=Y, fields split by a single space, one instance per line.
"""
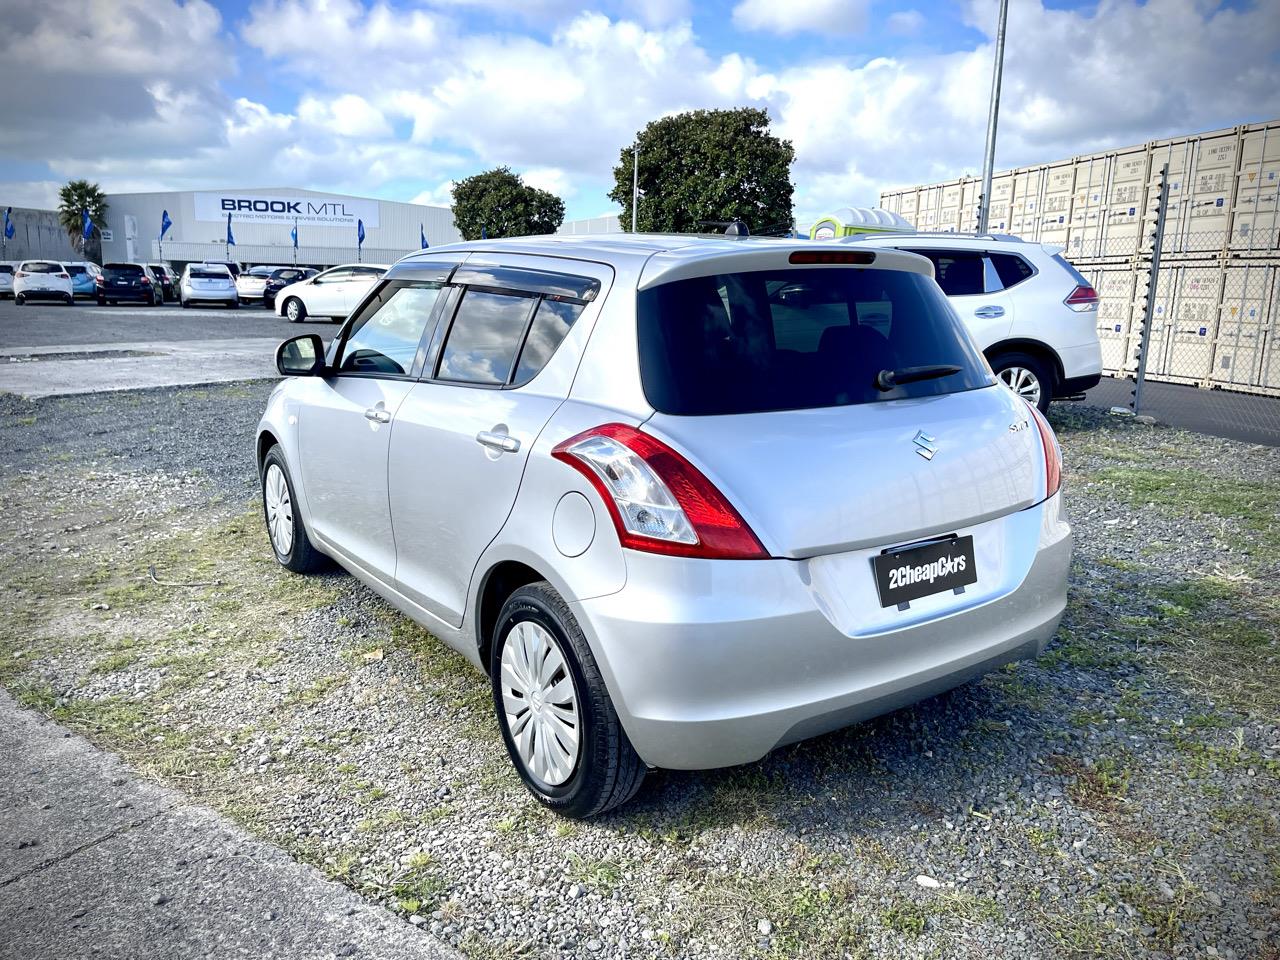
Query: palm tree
x=76 y=197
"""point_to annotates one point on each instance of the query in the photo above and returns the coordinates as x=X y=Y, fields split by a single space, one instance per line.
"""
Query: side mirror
x=301 y=356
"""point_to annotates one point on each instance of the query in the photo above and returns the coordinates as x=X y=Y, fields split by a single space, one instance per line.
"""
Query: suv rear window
x=796 y=339
x=121 y=271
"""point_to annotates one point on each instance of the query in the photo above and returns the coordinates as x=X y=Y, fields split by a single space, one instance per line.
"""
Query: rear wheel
x=233 y=304
x=294 y=311
x=20 y=300
x=71 y=300
x=288 y=536
x=1026 y=375
x=102 y=301
x=557 y=719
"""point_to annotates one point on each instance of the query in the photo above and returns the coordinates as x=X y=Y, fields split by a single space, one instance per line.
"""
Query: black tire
x=1037 y=367
x=71 y=300
x=186 y=304
x=102 y=301
x=608 y=771
x=234 y=304
x=302 y=557
x=295 y=311
x=19 y=301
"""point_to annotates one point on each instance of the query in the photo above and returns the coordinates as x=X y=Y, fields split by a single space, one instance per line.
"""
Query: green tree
x=75 y=197
x=500 y=204
x=707 y=165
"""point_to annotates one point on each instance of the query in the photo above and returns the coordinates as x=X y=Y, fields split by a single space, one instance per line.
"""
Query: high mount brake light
x=1052 y=452
x=862 y=257
x=659 y=501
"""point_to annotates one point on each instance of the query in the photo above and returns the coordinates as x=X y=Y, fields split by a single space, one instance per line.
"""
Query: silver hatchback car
x=683 y=500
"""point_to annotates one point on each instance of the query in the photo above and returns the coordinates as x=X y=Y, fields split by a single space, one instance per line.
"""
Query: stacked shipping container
x=1216 y=318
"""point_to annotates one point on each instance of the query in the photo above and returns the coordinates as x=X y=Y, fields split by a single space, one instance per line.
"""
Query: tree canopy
x=500 y=204
x=75 y=197
x=716 y=165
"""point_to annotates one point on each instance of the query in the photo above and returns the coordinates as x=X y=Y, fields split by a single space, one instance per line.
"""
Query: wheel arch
x=499 y=582
x=266 y=440
x=1037 y=348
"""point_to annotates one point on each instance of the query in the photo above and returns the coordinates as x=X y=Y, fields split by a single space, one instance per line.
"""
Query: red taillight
x=99 y=280
x=1052 y=452
x=659 y=501
x=147 y=281
x=1082 y=299
x=19 y=275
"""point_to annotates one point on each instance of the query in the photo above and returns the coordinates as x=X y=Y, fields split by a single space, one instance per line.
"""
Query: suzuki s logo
x=926 y=446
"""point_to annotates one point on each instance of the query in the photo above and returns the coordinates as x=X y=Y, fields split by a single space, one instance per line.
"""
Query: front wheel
x=289 y=540
x=1027 y=376
x=557 y=719
x=294 y=311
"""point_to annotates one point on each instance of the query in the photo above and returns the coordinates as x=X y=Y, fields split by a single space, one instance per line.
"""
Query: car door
x=326 y=295
x=347 y=419
x=492 y=380
x=975 y=290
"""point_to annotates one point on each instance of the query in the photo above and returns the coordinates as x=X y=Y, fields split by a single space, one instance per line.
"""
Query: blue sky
x=397 y=98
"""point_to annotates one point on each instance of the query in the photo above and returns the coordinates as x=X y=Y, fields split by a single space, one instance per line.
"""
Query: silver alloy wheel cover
x=293 y=309
x=539 y=703
x=1022 y=382
x=275 y=493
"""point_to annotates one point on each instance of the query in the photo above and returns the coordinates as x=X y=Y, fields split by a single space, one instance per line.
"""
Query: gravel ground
x=1120 y=797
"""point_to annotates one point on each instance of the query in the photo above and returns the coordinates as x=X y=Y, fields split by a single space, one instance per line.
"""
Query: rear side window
x=485 y=337
x=796 y=339
x=960 y=273
x=551 y=324
x=385 y=340
x=1011 y=268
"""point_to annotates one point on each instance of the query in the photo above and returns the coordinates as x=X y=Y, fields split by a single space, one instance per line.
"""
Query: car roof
x=662 y=256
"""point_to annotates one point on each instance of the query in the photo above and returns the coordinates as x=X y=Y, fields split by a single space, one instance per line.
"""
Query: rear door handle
x=989 y=313
x=378 y=415
x=497 y=441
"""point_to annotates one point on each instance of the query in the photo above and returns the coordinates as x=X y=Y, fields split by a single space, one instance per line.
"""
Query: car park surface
x=466 y=356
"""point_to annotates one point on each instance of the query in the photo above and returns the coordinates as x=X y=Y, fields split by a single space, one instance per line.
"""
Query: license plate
x=912 y=572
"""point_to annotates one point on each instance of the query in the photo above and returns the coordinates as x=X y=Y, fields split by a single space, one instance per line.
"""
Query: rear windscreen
x=209 y=274
x=37 y=267
x=122 y=271
x=77 y=271
x=795 y=339
x=5 y=268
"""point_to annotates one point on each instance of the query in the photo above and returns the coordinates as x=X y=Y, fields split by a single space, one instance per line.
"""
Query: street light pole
x=635 y=184
x=984 y=202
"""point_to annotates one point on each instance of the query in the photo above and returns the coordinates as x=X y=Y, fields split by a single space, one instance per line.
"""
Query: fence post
x=1152 y=277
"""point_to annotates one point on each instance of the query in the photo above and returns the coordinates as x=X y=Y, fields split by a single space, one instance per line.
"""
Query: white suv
x=1029 y=311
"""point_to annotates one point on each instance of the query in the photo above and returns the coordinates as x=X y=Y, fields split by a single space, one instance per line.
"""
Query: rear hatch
x=768 y=381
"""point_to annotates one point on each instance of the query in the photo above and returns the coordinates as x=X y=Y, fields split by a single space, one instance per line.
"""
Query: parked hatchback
x=84 y=278
x=128 y=283
x=208 y=283
x=42 y=280
x=683 y=500
x=7 y=269
x=1030 y=311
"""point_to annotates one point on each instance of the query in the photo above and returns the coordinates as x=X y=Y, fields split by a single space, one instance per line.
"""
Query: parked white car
x=7 y=268
x=208 y=283
x=42 y=280
x=249 y=285
x=331 y=294
x=1030 y=311
x=684 y=500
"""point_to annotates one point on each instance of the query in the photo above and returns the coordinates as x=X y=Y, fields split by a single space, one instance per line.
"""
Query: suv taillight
x=659 y=501
x=1082 y=299
x=1052 y=452
x=100 y=280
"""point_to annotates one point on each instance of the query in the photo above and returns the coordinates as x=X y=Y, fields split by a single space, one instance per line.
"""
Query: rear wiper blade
x=888 y=379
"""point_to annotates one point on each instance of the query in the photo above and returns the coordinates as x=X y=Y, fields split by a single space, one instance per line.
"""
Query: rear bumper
x=139 y=296
x=715 y=663
x=1079 y=363
x=1074 y=385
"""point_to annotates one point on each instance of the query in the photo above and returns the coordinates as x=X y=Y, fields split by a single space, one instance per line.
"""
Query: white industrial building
x=262 y=223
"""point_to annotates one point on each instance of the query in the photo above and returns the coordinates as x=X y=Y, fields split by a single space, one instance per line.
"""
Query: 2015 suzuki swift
x=683 y=500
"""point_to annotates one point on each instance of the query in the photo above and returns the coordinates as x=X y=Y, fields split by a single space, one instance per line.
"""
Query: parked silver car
x=684 y=500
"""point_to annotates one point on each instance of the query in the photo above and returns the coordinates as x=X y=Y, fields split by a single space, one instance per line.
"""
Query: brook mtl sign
x=307 y=211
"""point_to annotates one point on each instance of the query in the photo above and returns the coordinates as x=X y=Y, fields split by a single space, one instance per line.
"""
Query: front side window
x=793 y=339
x=960 y=273
x=385 y=340
x=485 y=337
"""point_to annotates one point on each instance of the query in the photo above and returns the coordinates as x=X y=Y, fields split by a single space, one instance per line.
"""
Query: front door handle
x=498 y=441
x=378 y=415
x=989 y=313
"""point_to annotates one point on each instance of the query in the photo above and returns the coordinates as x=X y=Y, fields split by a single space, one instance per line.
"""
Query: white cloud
x=796 y=16
x=905 y=23
x=552 y=179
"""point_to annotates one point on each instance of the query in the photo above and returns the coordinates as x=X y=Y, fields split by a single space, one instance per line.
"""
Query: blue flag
x=359 y=233
x=86 y=229
x=165 y=223
x=294 y=233
x=484 y=234
x=422 y=236
x=231 y=239
x=8 y=224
